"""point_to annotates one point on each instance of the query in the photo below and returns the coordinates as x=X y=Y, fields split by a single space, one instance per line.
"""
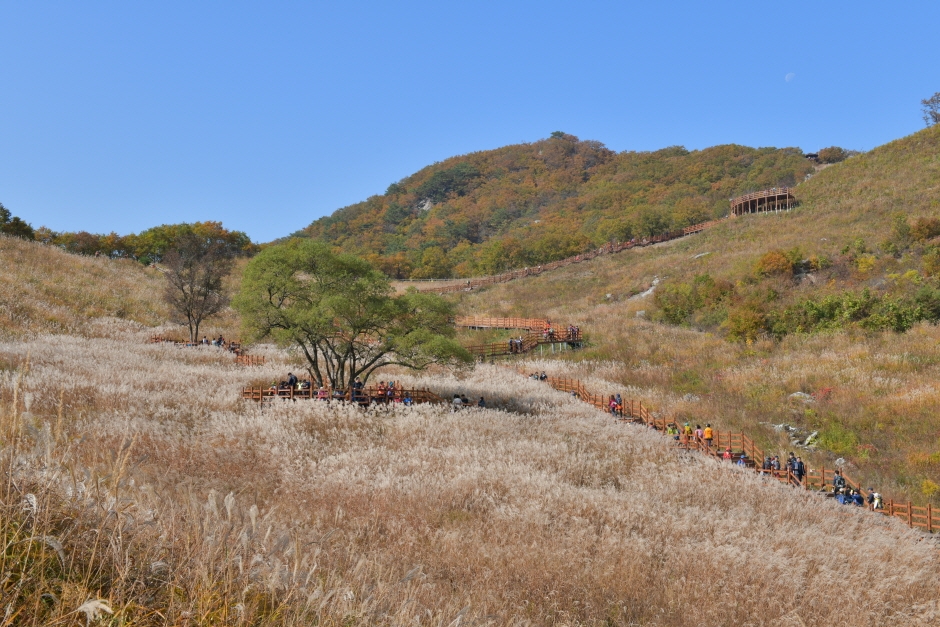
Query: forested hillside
x=532 y=203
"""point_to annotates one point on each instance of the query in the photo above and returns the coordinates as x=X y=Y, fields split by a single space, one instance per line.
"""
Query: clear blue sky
x=124 y=115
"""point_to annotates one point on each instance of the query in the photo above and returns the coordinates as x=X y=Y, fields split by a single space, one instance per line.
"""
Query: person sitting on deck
x=481 y=403
x=205 y=341
x=857 y=499
x=838 y=482
x=407 y=400
x=727 y=454
x=322 y=394
x=543 y=376
x=743 y=461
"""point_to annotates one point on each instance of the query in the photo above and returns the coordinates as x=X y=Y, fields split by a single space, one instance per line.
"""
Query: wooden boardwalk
x=365 y=396
x=242 y=357
x=819 y=479
x=769 y=200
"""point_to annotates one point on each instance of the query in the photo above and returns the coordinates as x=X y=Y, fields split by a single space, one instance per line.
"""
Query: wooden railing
x=249 y=360
x=529 y=342
x=774 y=199
x=606 y=249
x=609 y=248
x=479 y=322
x=364 y=396
x=821 y=479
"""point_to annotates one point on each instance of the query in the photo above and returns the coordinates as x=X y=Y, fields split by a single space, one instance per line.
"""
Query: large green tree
x=341 y=313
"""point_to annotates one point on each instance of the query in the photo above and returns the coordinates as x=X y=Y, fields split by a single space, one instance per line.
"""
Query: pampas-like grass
x=538 y=509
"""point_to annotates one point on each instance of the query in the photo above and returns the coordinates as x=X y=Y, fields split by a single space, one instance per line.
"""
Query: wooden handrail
x=915 y=516
x=606 y=249
x=364 y=396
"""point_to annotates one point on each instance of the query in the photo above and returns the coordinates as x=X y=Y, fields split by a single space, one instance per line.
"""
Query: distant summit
x=527 y=204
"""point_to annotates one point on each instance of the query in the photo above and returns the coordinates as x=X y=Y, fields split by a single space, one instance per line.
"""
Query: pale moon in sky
x=789 y=77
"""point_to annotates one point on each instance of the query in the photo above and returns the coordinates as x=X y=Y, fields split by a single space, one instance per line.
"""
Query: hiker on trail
x=687 y=433
x=457 y=403
x=673 y=430
x=291 y=380
x=322 y=394
x=512 y=345
x=874 y=500
x=857 y=499
x=481 y=403
x=709 y=434
x=699 y=433
x=612 y=404
x=205 y=341
x=767 y=464
x=799 y=469
x=838 y=482
x=775 y=463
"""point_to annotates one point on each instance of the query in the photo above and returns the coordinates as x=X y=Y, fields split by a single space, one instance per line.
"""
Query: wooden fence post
x=929 y=519
x=910 y=515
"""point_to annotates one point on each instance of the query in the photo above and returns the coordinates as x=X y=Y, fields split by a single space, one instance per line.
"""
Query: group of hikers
x=771 y=464
x=570 y=334
x=220 y=343
x=461 y=402
x=385 y=392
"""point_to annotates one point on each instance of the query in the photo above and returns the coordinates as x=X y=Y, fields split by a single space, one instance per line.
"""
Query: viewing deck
x=768 y=200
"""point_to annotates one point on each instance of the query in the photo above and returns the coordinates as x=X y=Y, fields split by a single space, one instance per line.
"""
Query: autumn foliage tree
x=529 y=204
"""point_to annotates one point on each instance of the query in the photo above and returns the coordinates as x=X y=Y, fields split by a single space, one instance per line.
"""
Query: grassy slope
x=533 y=203
x=47 y=290
x=554 y=515
x=883 y=413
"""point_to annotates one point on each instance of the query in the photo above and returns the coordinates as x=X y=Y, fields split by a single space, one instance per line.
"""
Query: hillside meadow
x=879 y=403
x=139 y=489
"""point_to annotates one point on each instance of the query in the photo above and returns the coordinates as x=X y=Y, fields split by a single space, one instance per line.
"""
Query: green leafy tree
x=340 y=312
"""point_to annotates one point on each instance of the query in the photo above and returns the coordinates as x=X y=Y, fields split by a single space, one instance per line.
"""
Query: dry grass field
x=880 y=405
x=137 y=486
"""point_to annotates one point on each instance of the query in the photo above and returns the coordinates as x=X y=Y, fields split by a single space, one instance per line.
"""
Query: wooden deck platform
x=769 y=200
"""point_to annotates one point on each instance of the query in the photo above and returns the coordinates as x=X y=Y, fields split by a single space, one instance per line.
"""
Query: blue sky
x=121 y=116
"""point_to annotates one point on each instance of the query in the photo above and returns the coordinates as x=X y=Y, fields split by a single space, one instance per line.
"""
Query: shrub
x=772 y=263
x=833 y=154
x=925 y=228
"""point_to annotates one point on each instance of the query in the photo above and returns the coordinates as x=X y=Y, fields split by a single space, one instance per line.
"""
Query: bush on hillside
x=774 y=263
x=833 y=154
x=14 y=226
